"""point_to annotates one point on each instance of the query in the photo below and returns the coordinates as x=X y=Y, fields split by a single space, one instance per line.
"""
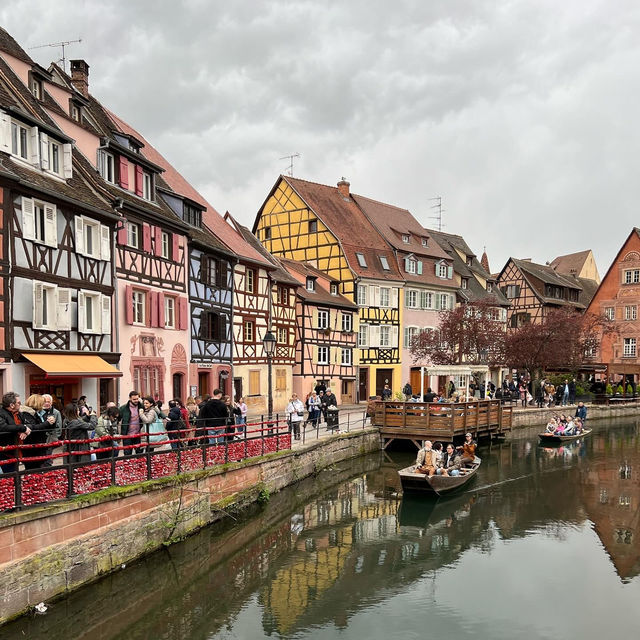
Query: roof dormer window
x=405 y=238
x=106 y=166
x=35 y=86
x=19 y=140
x=311 y=283
x=424 y=242
x=385 y=263
x=361 y=260
x=469 y=261
x=489 y=287
x=465 y=283
x=191 y=215
x=334 y=288
x=147 y=186
x=75 y=111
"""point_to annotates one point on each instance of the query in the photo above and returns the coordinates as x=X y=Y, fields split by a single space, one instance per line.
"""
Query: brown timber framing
x=417 y=421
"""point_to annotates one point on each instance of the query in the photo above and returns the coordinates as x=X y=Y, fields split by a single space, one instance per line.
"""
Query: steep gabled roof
x=8 y=44
x=572 y=263
x=348 y=223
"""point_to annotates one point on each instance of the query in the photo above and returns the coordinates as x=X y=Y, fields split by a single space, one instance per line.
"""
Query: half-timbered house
x=533 y=289
x=326 y=334
x=58 y=335
x=264 y=300
x=151 y=243
x=325 y=227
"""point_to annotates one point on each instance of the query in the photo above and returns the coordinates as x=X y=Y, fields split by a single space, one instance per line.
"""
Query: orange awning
x=73 y=366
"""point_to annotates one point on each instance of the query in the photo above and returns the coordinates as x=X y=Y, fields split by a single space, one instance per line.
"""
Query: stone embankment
x=50 y=550
x=532 y=416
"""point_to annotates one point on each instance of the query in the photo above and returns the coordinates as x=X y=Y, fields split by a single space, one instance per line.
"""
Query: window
x=347 y=322
x=385 y=336
x=444 y=301
x=92 y=238
x=426 y=300
x=424 y=242
x=94 y=312
x=465 y=283
x=519 y=319
x=55 y=151
x=133 y=235
x=51 y=307
x=363 y=335
x=469 y=262
x=282 y=335
x=212 y=326
x=629 y=347
x=39 y=221
x=405 y=238
x=632 y=276
x=249 y=331
x=362 y=295
x=169 y=312
x=323 y=355
x=409 y=334
x=441 y=270
x=311 y=283
x=254 y=383
x=266 y=233
x=631 y=312
x=512 y=291
x=313 y=226
x=384 y=296
x=334 y=288
x=139 y=307
x=281 y=379
x=361 y=260
x=19 y=140
x=165 y=245
x=411 y=265
x=75 y=111
x=146 y=379
x=347 y=357
x=35 y=86
x=251 y=276
x=282 y=295
x=610 y=313
x=106 y=166
x=323 y=319
x=192 y=215
x=385 y=263
x=489 y=287
x=412 y=299
x=147 y=186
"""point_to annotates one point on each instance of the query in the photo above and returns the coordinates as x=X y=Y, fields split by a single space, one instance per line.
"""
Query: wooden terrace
x=417 y=421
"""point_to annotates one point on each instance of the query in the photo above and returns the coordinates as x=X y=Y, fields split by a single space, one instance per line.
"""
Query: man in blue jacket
x=581 y=411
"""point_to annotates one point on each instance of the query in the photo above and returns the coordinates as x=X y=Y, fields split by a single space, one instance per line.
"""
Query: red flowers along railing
x=67 y=467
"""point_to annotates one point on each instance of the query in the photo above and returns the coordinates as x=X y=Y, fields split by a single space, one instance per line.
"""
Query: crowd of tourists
x=30 y=432
x=318 y=404
x=434 y=459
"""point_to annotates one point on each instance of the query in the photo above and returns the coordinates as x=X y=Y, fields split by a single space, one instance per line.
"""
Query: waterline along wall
x=49 y=550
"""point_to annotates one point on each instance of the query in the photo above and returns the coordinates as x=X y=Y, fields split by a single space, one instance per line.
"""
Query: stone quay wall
x=534 y=417
x=51 y=550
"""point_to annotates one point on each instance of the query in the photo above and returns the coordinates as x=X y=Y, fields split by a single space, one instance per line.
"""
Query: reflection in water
x=345 y=554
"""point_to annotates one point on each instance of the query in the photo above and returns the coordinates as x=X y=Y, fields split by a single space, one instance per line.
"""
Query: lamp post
x=269 y=346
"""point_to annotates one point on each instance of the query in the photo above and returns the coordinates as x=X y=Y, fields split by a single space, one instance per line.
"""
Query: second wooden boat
x=552 y=438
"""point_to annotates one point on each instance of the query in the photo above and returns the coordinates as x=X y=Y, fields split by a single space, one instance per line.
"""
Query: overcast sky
x=521 y=115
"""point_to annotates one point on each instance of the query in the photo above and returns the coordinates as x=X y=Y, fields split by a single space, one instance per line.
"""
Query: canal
x=545 y=544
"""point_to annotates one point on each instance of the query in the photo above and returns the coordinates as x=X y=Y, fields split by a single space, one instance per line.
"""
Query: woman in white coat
x=295 y=415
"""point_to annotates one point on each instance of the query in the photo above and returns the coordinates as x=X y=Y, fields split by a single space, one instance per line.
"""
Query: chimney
x=343 y=187
x=80 y=76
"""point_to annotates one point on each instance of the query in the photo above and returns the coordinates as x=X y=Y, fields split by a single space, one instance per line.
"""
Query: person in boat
x=570 y=428
x=450 y=463
x=552 y=426
x=579 y=426
x=427 y=461
x=468 y=450
x=437 y=447
x=581 y=411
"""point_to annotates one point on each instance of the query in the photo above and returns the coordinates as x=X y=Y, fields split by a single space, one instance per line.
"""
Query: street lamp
x=269 y=346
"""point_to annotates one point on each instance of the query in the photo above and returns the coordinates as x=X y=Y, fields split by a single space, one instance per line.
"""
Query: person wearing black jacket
x=11 y=429
x=213 y=418
x=78 y=429
x=32 y=415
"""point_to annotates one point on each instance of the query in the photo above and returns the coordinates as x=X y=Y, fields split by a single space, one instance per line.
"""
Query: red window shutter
x=138 y=180
x=183 y=319
x=124 y=172
x=157 y=241
x=128 y=303
x=122 y=234
x=153 y=308
x=175 y=248
x=146 y=238
x=160 y=310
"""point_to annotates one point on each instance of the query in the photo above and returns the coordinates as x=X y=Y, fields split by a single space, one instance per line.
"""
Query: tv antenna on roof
x=440 y=211
x=59 y=44
x=290 y=158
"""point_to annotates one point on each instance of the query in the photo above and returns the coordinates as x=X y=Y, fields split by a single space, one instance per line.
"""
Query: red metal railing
x=65 y=468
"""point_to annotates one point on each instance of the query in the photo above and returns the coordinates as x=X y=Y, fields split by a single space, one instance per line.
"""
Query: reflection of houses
x=618 y=298
x=57 y=279
x=325 y=227
x=534 y=289
x=326 y=330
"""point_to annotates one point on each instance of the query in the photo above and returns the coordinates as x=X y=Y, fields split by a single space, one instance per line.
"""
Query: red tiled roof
x=349 y=224
x=214 y=221
x=572 y=263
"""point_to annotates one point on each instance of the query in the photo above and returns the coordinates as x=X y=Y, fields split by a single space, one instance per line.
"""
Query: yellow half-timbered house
x=325 y=227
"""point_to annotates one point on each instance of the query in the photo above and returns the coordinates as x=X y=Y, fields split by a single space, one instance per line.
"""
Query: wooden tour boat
x=552 y=438
x=436 y=485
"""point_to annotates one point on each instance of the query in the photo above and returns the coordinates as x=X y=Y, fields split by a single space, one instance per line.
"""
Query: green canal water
x=545 y=544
